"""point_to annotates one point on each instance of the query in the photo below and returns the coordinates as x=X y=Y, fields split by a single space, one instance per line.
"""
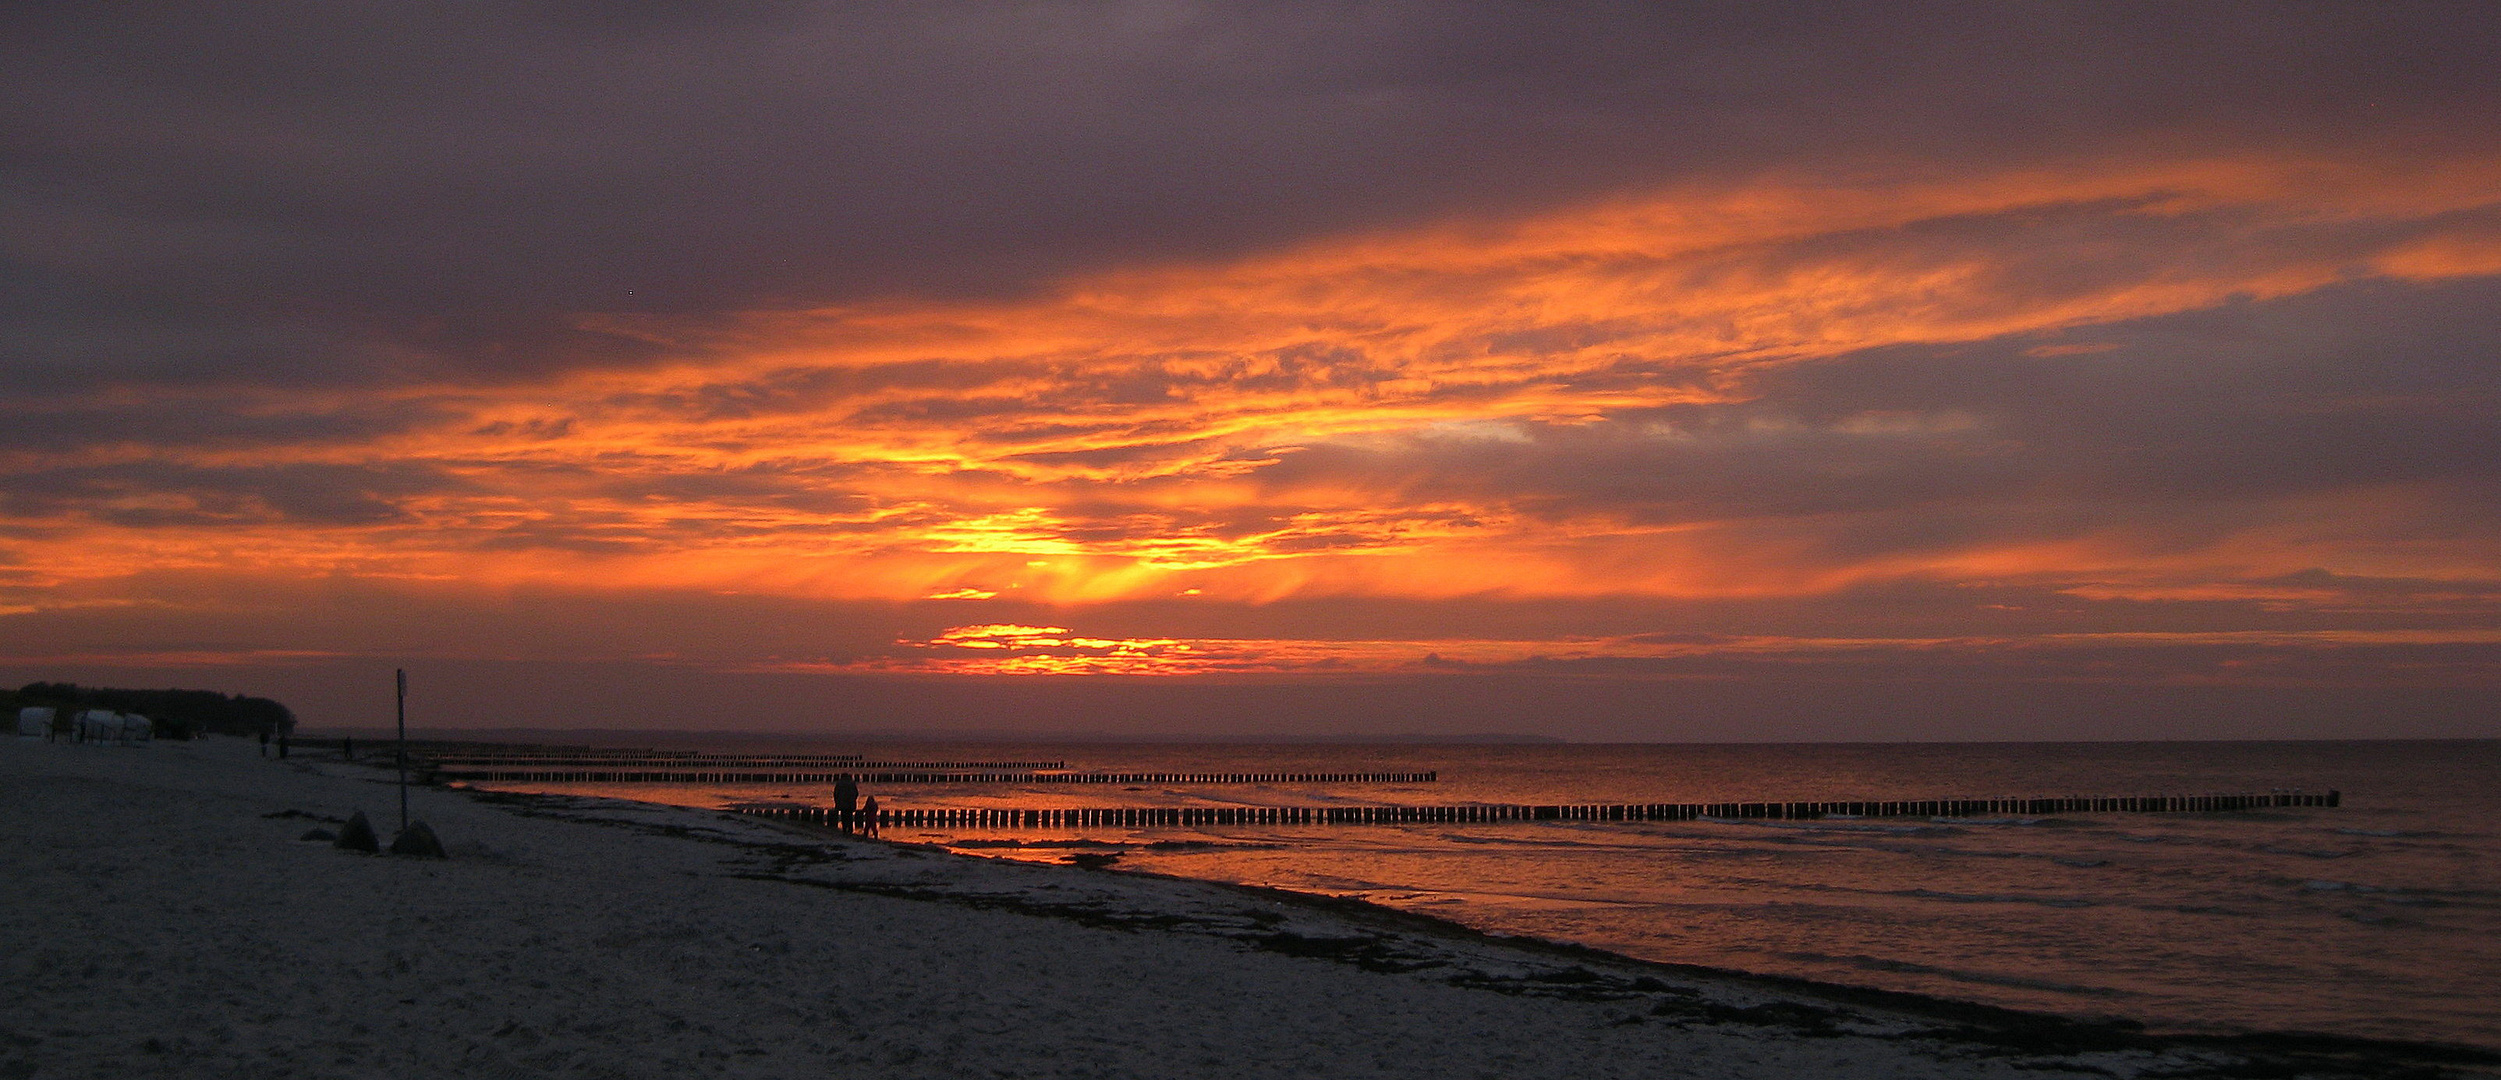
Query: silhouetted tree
x=177 y=714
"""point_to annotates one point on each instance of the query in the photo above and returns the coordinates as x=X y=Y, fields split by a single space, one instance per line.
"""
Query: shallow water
x=2380 y=918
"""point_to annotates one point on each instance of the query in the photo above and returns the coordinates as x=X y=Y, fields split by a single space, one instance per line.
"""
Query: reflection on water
x=2380 y=918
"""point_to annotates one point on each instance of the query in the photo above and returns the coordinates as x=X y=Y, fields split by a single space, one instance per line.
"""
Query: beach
x=165 y=918
x=2379 y=918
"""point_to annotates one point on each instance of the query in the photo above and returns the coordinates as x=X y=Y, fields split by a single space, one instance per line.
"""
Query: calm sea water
x=2380 y=918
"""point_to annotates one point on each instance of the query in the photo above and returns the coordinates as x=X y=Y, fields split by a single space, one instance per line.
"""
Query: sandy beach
x=165 y=918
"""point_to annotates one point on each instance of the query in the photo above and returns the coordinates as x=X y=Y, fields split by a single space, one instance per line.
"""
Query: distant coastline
x=682 y=738
x=677 y=737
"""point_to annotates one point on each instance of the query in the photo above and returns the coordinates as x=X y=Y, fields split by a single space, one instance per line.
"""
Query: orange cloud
x=1010 y=649
x=1125 y=435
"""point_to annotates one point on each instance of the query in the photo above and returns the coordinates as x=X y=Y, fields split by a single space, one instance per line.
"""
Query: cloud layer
x=2102 y=343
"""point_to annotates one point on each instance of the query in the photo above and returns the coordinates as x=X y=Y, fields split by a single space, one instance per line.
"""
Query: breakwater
x=595 y=754
x=1141 y=816
x=465 y=763
x=865 y=774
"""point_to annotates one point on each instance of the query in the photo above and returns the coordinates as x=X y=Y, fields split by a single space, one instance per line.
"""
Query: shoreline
x=1980 y=1020
x=1994 y=1024
x=573 y=935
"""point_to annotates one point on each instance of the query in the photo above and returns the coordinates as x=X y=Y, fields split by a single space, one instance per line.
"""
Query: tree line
x=176 y=714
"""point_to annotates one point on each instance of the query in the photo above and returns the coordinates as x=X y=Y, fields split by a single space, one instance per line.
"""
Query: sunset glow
x=2174 y=386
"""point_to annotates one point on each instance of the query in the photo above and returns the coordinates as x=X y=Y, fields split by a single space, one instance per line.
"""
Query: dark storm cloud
x=71 y=424
x=337 y=192
x=2173 y=422
x=155 y=494
x=2364 y=385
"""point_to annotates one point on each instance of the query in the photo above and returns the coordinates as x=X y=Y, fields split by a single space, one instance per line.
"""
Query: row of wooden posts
x=450 y=763
x=682 y=776
x=1117 y=816
x=626 y=757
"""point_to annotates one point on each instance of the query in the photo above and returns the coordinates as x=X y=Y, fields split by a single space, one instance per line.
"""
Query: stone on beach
x=358 y=835
x=417 y=840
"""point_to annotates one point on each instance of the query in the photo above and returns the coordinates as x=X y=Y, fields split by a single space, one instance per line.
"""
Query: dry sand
x=162 y=918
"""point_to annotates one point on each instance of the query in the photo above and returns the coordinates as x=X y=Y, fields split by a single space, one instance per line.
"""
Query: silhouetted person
x=868 y=816
x=282 y=747
x=347 y=748
x=846 y=800
x=264 y=744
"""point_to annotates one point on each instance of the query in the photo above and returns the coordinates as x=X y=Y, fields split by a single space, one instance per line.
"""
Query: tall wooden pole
x=403 y=749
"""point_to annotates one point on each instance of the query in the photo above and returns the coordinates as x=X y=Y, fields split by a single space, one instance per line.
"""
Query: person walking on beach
x=846 y=800
x=868 y=816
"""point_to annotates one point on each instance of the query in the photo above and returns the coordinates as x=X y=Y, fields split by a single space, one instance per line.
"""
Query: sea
x=2379 y=918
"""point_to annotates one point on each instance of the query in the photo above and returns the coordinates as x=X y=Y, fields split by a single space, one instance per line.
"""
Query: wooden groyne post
x=1151 y=816
x=673 y=773
x=659 y=759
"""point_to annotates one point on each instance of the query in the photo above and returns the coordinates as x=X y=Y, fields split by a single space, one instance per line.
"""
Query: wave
x=1994 y=898
x=1864 y=962
x=1827 y=825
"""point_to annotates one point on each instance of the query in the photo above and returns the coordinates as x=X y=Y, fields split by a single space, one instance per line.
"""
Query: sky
x=1610 y=372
